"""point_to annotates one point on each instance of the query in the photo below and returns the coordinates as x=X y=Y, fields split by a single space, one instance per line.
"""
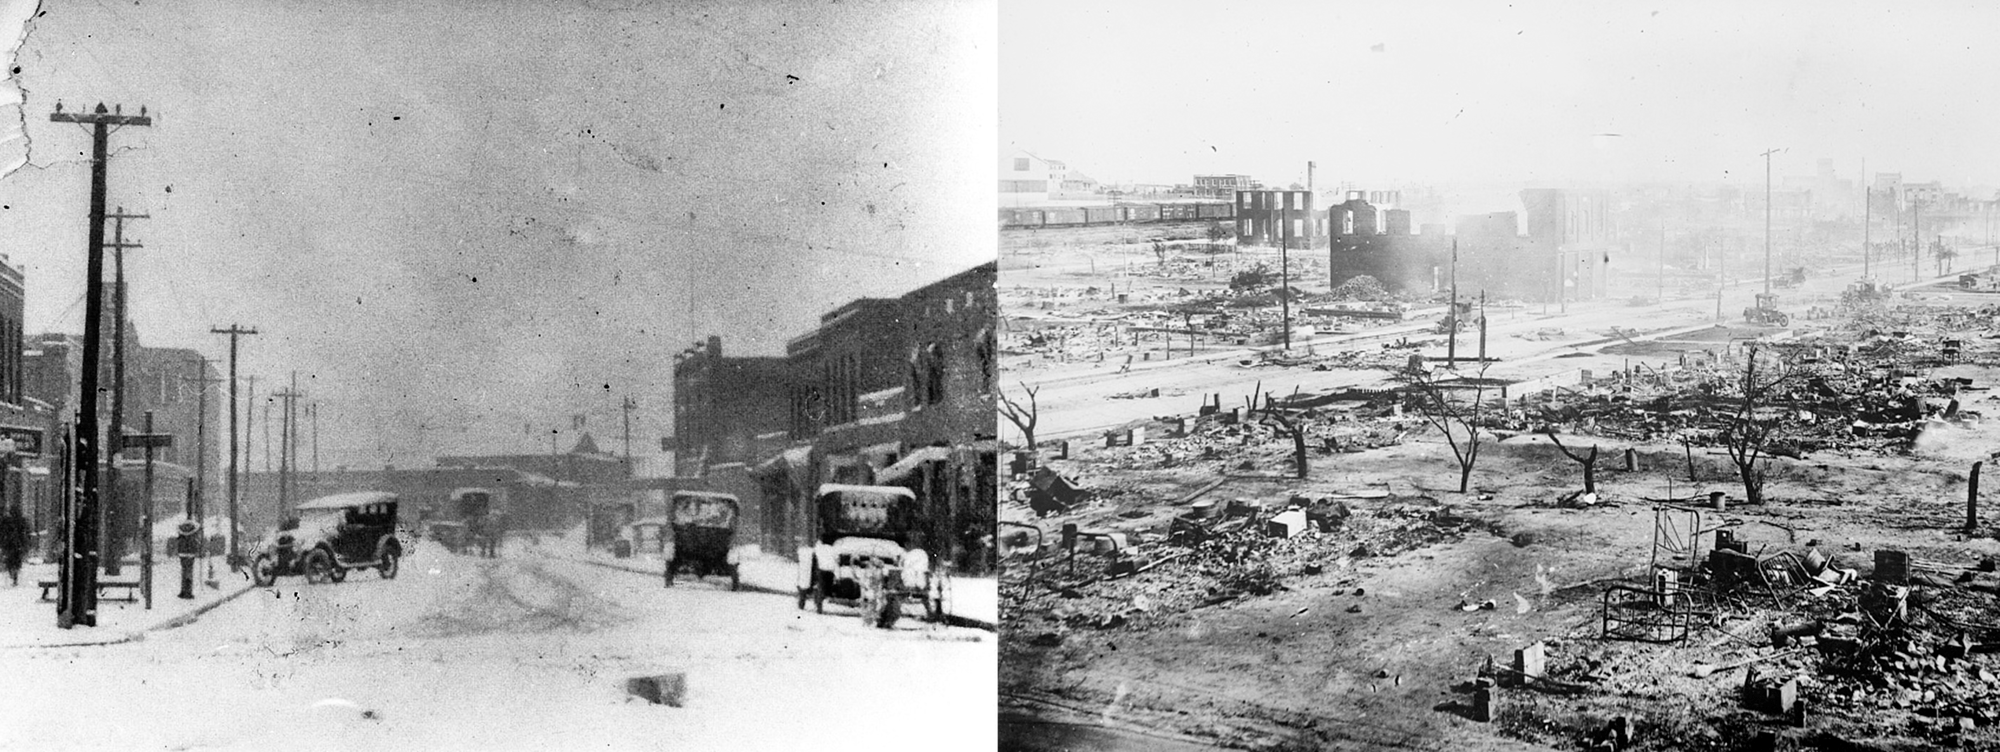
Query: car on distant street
x=331 y=535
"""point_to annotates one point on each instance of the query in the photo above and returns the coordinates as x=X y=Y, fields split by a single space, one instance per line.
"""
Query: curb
x=951 y=619
x=190 y=617
x=120 y=638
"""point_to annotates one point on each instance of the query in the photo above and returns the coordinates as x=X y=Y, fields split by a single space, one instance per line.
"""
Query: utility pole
x=146 y=519
x=1767 y=220
x=1285 y=265
x=627 y=407
x=234 y=332
x=1867 y=216
x=288 y=446
x=1482 y=327
x=1916 y=240
x=115 y=519
x=197 y=502
x=1451 y=311
x=1660 y=296
x=78 y=573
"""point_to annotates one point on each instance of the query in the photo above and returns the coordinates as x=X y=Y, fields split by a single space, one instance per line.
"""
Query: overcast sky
x=458 y=220
x=1502 y=91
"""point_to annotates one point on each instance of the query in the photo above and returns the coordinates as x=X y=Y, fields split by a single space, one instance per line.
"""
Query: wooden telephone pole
x=288 y=445
x=77 y=603
x=627 y=407
x=115 y=520
x=235 y=333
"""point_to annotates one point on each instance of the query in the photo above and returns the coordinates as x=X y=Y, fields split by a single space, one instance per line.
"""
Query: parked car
x=704 y=526
x=868 y=554
x=456 y=526
x=331 y=535
x=646 y=535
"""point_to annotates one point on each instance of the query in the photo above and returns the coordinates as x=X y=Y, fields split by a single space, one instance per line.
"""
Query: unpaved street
x=522 y=652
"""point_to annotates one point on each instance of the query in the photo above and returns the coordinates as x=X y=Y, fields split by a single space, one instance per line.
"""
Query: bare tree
x=1293 y=428
x=1160 y=252
x=1216 y=234
x=1022 y=418
x=1589 y=461
x=1748 y=434
x=1438 y=400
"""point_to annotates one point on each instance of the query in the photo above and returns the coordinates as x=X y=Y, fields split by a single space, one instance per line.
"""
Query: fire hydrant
x=187 y=545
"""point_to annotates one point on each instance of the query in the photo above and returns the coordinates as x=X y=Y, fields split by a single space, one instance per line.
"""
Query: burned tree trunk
x=1298 y=435
x=1589 y=462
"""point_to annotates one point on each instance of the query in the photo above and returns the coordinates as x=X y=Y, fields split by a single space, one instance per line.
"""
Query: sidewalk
x=971 y=601
x=27 y=622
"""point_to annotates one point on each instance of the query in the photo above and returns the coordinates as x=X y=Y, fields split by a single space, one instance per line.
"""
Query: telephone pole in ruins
x=77 y=600
x=235 y=334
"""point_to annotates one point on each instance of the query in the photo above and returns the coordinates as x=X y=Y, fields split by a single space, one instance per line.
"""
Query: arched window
x=985 y=344
x=934 y=372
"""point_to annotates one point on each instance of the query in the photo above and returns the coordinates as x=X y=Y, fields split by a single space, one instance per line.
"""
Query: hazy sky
x=457 y=219
x=1378 y=92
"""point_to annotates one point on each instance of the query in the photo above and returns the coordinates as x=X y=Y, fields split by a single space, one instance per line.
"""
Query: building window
x=934 y=373
x=987 y=375
x=1246 y=200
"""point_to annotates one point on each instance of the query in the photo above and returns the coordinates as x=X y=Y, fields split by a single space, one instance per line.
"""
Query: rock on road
x=521 y=652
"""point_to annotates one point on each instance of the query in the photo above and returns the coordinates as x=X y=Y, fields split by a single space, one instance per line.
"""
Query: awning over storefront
x=793 y=458
x=910 y=463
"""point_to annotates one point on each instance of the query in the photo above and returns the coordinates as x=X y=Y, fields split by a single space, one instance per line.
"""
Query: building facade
x=1223 y=186
x=897 y=391
x=723 y=405
x=1271 y=217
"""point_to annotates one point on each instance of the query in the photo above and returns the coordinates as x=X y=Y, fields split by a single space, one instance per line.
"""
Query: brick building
x=1223 y=186
x=1271 y=217
x=724 y=406
x=896 y=391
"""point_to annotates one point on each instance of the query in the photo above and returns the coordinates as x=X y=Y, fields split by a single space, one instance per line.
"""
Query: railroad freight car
x=1142 y=212
x=1020 y=218
x=1215 y=211
x=1064 y=217
x=1103 y=215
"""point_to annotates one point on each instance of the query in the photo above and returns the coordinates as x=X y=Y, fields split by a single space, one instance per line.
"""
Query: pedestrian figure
x=1128 y=365
x=13 y=542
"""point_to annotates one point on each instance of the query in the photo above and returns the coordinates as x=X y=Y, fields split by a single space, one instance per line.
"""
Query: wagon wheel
x=391 y=564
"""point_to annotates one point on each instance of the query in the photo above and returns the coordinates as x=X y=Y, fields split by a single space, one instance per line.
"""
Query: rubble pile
x=1243 y=550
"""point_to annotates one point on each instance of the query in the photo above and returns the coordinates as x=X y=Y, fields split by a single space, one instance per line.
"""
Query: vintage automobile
x=868 y=554
x=646 y=535
x=704 y=526
x=456 y=526
x=332 y=535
